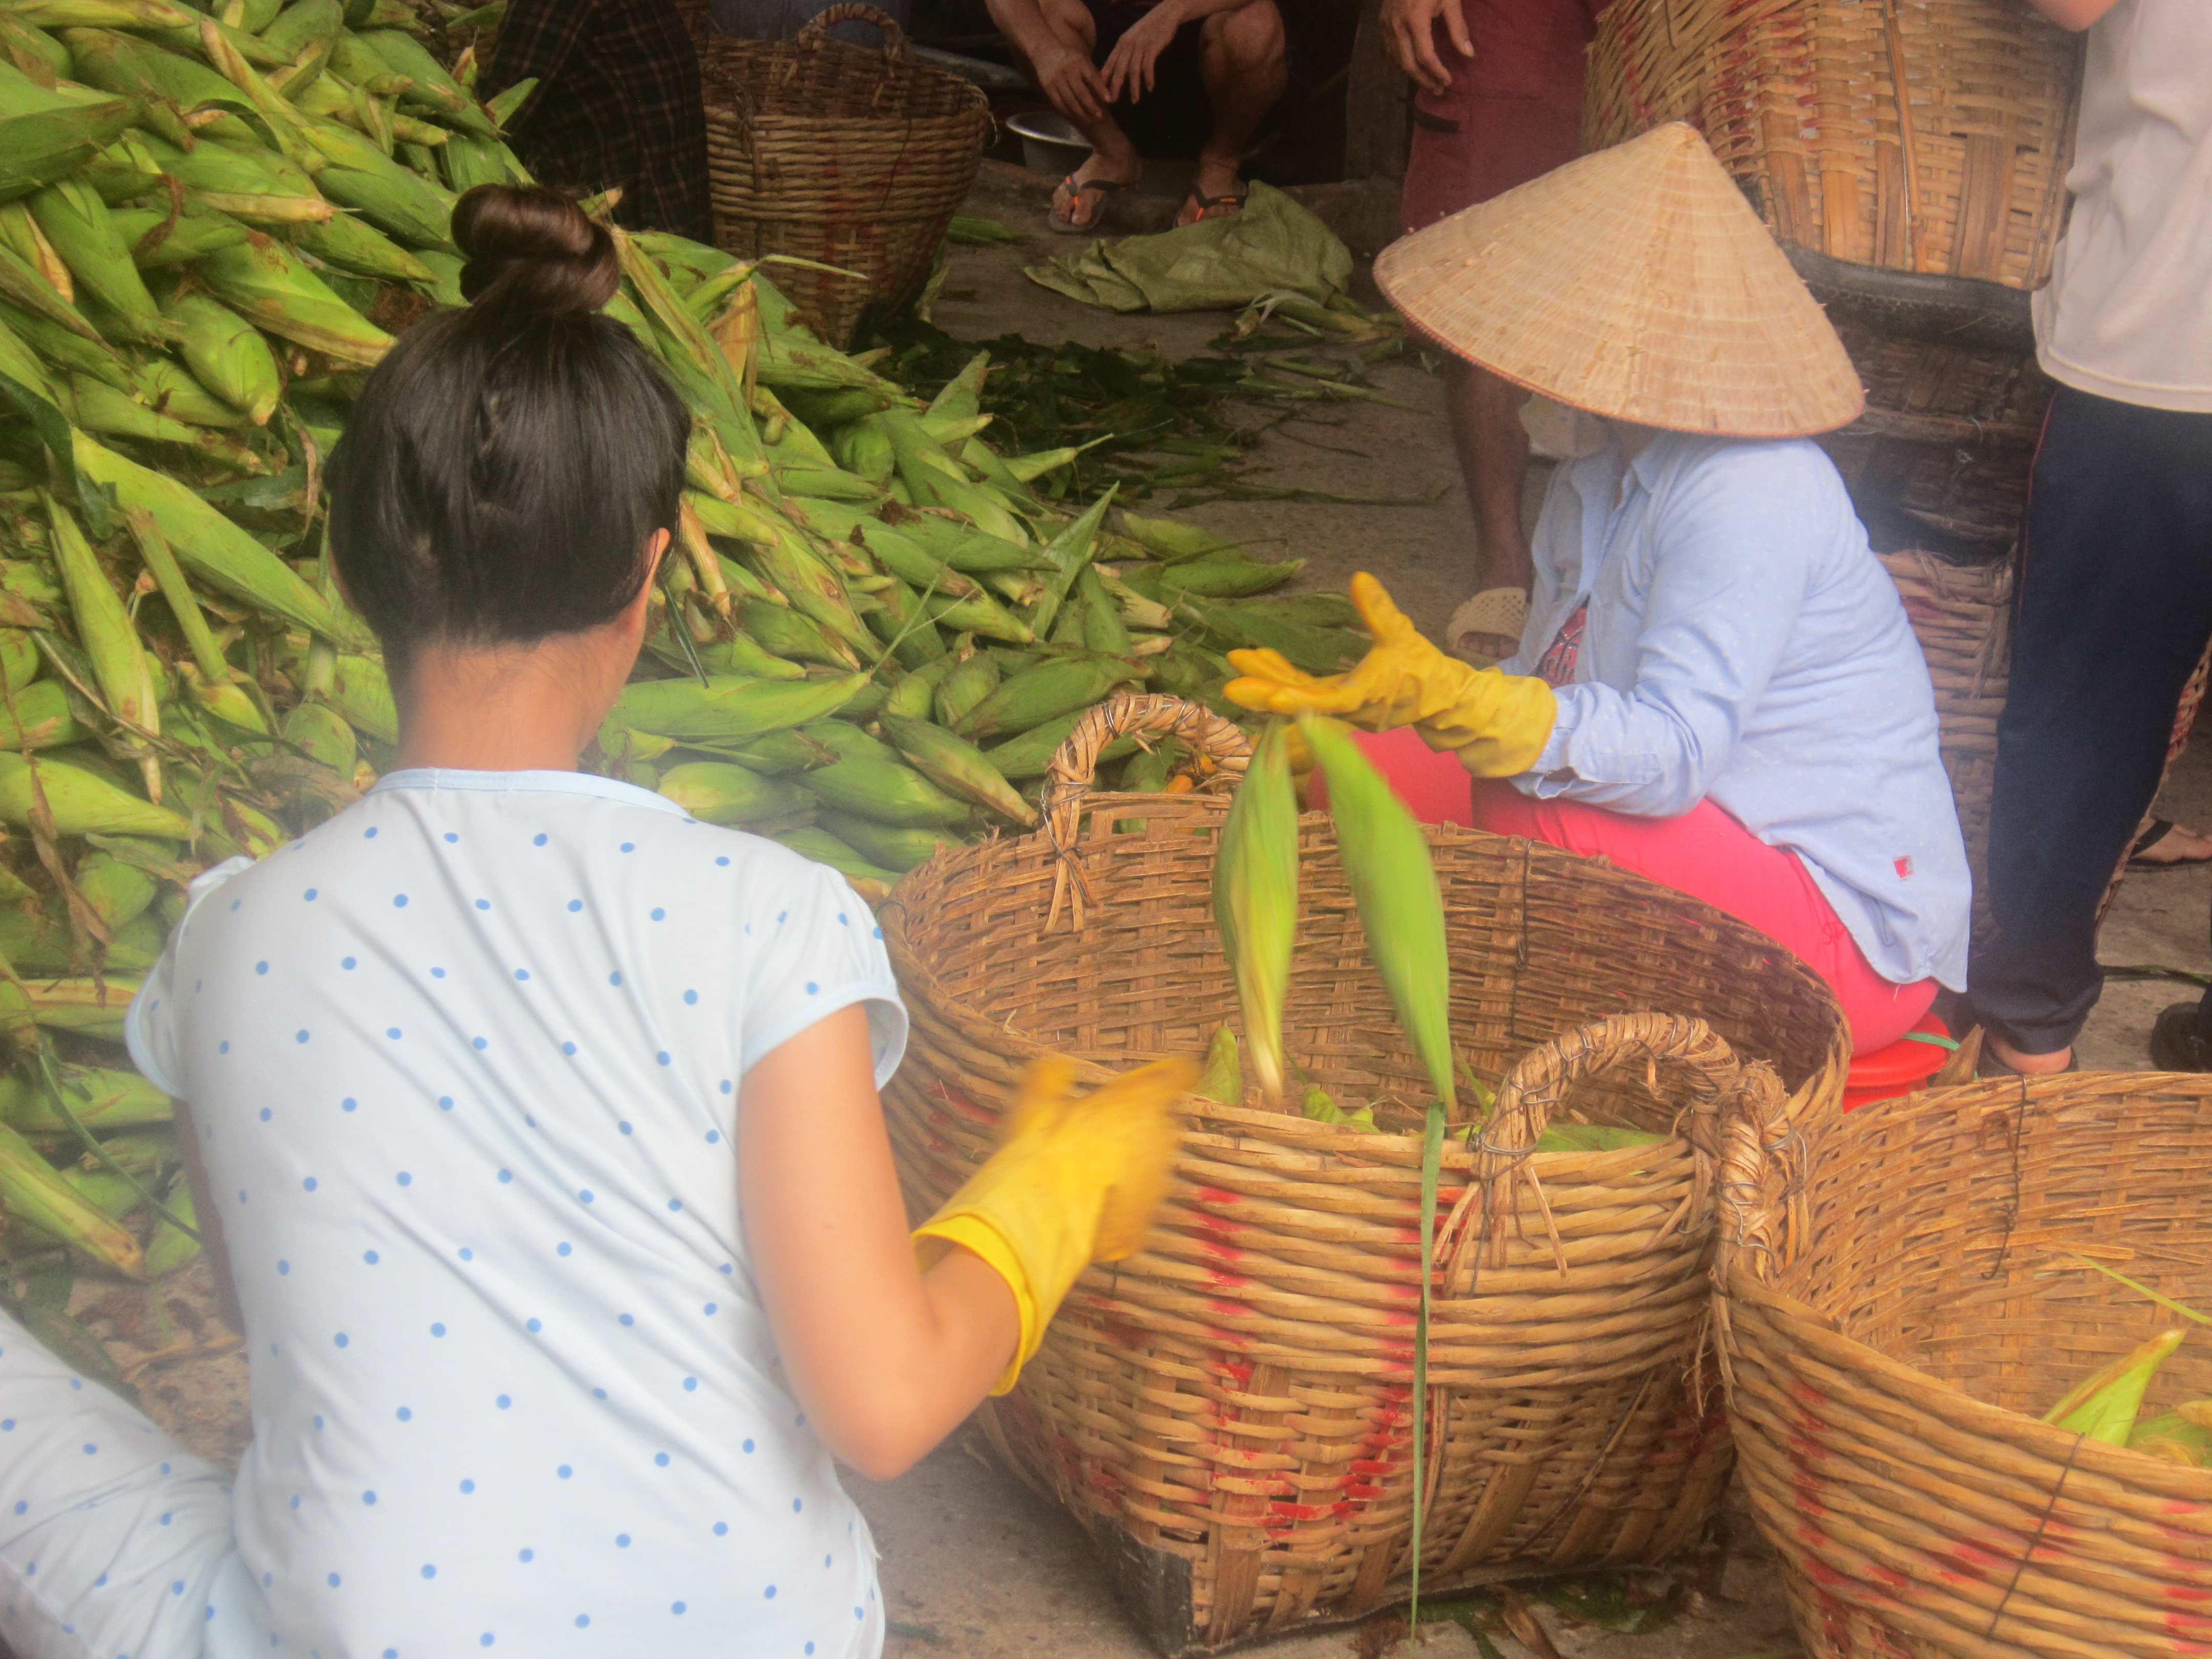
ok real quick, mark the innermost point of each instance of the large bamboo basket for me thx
(851, 158)
(1885, 1384)
(1229, 1412)
(1800, 101)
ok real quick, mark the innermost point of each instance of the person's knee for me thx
(1251, 36)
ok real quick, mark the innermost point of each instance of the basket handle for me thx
(1075, 769)
(815, 29)
(1719, 1087)
(1764, 1214)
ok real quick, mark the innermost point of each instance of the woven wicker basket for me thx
(1228, 1413)
(1799, 99)
(828, 152)
(1885, 1384)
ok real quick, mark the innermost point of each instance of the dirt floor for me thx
(974, 1566)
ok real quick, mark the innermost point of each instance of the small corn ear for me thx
(1256, 902)
(1394, 884)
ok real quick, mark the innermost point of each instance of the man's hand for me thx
(1130, 67)
(1407, 25)
(1068, 77)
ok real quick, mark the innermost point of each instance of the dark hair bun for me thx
(531, 250)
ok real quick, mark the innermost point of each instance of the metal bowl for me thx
(1050, 142)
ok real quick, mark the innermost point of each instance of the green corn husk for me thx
(49, 135)
(890, 847)
(360, 691)
(2104, 1407)
(1255, 902)
(227, 355)
(105, 630)
(118, 893)
(38, 717)
(260, 186)
(1594, 1138)
(265, 283)
(1029, 754)
(786, 634)
(728, 711)
(350, 245)
(96, 406)
(159, 240)
(101, 13)
(20, 663)
(99, 1098)
(914, 696)
(434, 90)
(956, 766)
(171, 389)
(81, 803)
(215, 549)
(303, 24)
(22, 365)
(818, 844)
(1036, 695)
(1223, 1079)
(884, 792)
(394, 199)
(24, 289)
(320, 732)
(35, 1194)
(92, 1007)
(963, 686)
(77, 222)
(1227, 576)
(721, 792)
(1319, 1106)
(171, 1247)
(1393, 884)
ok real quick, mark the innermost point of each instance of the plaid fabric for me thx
(617, 103)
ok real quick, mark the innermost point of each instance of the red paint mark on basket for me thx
(1229, 1282)
(1308, 1511)
(1222, 1252)
(1217, 1195)
(2183, 1592)
(1226, 1308)
(1367, 1492)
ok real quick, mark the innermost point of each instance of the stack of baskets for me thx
(1888, 1363)
(846, 157)
(1230, 1412)
(1913, 155)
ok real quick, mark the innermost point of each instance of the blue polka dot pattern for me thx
(404, 1005)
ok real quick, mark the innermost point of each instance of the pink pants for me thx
(1704, 853)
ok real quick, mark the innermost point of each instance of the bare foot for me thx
(2180, 844)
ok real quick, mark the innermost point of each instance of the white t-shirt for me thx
(463, 1063)
(2127, 313)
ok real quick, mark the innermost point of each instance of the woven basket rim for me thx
(1817, 1329)
(946, 862)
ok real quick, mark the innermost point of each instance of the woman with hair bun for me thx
(533, 1125)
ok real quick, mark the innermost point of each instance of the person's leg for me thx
(1242, 60)
(1709, 855)
(2116, 605)
(114, 1539)
(1494, 461)
(1091, 31)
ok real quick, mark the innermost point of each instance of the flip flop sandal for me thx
(1500, 611)
(1197, 209)
(2158, 832)
(1067, 204)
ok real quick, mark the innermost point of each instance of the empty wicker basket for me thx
(847, 157)
(1800, 101)
(1887, 1383)
(1229, 1412)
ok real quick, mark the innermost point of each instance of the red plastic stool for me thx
(1902, 1068)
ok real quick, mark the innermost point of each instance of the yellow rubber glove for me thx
(1074, 1181)
(1497, 723)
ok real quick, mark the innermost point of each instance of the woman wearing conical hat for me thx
(1717, 686)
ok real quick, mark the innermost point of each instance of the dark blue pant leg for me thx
(2116, 606)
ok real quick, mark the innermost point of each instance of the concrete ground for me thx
(974, 1565)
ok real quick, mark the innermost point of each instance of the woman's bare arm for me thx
(886, 1359)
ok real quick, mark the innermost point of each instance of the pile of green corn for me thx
(873, 636)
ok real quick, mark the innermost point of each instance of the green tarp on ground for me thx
(1273, 247)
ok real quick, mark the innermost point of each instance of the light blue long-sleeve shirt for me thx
(1744, 644)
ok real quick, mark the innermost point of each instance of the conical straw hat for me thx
(1638, 283)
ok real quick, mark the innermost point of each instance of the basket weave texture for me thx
(1229, 1411)
(1799, 99)
(833, 153)
(1943, 452)
(1885, 1385)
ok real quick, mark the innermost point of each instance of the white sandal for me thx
(1496, 611)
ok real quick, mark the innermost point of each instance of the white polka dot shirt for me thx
(463, 1063)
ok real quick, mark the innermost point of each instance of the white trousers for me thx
(115, 1543)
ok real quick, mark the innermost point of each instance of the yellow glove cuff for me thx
(974, 1234)
(1500, 727)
